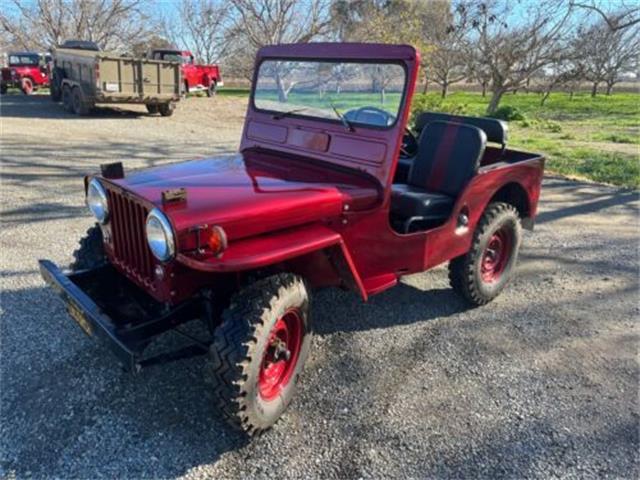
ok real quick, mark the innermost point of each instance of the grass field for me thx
(591, 138)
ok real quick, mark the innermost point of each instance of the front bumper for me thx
(114, 311)
(87, 314)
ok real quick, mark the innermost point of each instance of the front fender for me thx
(271, 249)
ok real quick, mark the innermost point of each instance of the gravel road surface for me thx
(543, 382)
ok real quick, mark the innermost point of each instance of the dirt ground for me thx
(542, 382)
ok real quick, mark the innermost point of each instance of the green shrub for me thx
(553, 127)
(509, 113)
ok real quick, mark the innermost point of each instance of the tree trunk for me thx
(544, 98)
(484, 89)
(382, 96)
(282, 92)
(445, 89)
(571, 94)
(426, 85)
(494, 103)
(594, 89)
(609, 88)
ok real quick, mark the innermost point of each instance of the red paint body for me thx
(306, 196)
(195, 76)
(13, 74)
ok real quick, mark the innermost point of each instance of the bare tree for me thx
(203, 27)
(270, 22)
(112, 24)
(448, 61)
(606, 53)
(623, 16)
(513, 52)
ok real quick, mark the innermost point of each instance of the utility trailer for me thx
(83, 76)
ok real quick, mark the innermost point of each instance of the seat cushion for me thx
(408, 201)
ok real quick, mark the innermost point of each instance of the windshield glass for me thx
(361, 93)
(24, 59)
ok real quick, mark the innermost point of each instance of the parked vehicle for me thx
(329, 188)
(83, 76)
(195, 77)
(27, 71)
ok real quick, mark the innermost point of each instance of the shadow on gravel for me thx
(70, 412)
(41, 106)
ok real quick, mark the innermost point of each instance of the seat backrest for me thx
(449, 155)
(496, 130)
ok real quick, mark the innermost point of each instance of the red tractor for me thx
(330, 188)
(27, 71)
(195, 77)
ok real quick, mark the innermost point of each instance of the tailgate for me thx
(123, 77)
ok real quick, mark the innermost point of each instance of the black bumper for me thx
(87, 314)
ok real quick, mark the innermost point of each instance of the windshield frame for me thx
(335, 121)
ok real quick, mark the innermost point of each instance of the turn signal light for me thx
(216, 240)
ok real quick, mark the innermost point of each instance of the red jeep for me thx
(27, 71)
(195, 77)
(329, 189)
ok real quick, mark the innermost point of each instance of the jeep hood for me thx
(252, 193)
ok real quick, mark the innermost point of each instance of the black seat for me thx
(448, 157)
(496, 130)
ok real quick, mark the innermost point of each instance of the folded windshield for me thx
(368, 94)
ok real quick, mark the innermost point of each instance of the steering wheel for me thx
(356, 114)
(409, 147)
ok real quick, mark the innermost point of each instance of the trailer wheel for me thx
(152, 108)
(211, 89)
(66, 97)
(90, 254)
(3, 89)
(78, 105)
(259, 351)
(483, 272)
(166, 109)
(26, 85)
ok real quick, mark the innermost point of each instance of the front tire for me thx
(152, 108)
(90, 254)
(166, 109)
(26, 85)
(259, 351)
(484, 271)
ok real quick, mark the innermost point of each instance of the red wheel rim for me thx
(496, 255)
(281, 355)
(27, 86)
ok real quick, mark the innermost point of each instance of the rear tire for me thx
(152, 108)
(259, 351)
(166, 109)
(90, 254)
(26, 85)
(211, 89)
(484, 271)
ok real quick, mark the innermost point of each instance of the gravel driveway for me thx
(542, 382)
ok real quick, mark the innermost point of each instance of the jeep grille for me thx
(130, 249)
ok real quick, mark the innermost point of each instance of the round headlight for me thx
(97, 201)
(160, 236)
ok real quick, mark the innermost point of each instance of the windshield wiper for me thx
(281, 115)
(344, 121)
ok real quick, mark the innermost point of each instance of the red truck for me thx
(195, 77)
(329, 189)
(27, 71)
